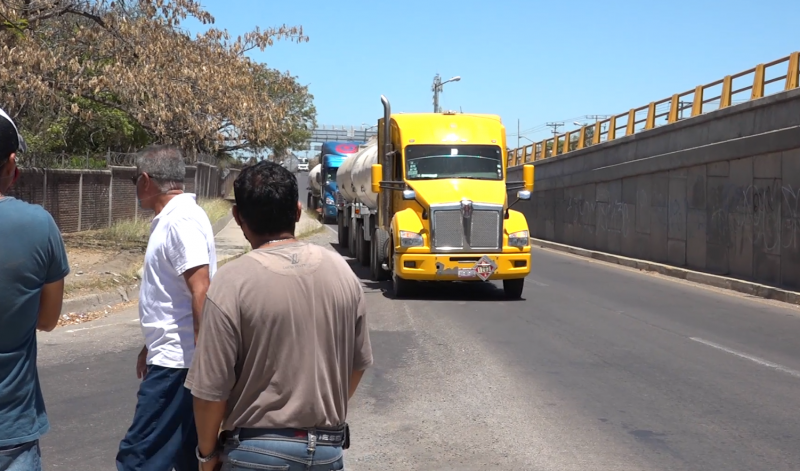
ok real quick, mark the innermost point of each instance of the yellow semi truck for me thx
(442, 211)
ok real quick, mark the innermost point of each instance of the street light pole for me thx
(367, 129)
(437, 88)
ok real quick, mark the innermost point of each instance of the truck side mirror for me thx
(377, 174)
(524, 195)
(527, 176)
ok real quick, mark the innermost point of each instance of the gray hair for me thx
(164, 164)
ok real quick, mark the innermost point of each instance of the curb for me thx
(220, 225)
(717, 281)
(94, 302)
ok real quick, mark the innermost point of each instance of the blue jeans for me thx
(163, 435)
(23, 457)
(281, 450)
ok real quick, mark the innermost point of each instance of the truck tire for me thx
(513, 288)
(380, 254)
(402, 288)
(341, 230)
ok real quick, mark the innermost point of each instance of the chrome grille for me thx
(449, 229)
(485, 227)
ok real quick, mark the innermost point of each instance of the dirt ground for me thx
(96, 266)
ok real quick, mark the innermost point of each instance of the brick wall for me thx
(82, 200)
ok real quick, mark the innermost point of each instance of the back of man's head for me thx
(164, 164)
(11, 141)
(266, 198)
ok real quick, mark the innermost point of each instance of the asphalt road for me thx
(597, 368)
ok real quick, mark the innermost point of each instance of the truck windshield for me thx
(330, 174)
(480, 162)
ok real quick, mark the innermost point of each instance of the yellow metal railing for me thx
(665, 111)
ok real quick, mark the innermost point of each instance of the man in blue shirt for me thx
(33, 265)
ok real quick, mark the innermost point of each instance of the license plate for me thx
(466, 273)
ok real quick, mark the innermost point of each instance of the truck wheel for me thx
(402, 288)
(380, 254)
(513, 288)
(341, 230)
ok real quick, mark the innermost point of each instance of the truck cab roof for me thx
(441, 128)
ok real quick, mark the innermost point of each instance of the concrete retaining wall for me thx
(718, 193)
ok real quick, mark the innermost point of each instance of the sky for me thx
(530, 61)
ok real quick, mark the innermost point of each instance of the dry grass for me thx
(134, 233)
(216, 209)
(126, 231)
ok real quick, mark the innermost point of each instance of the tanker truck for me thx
(356, 203)
(331, 157)
(314, 188)
(437, 203)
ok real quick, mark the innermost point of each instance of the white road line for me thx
(100, 326)
(539, 283)
(332, 229)
(761, 362)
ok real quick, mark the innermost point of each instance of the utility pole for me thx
(437, 89)
(555, 127)
(683, 105)
(517, 133)
(597, 117)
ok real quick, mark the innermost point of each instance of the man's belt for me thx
(335, 436)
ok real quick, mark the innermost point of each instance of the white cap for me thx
(22, 147)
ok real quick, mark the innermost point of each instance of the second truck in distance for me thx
(322, 178)
(427, 201)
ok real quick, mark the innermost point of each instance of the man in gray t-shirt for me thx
(283, 340)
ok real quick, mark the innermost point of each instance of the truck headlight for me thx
(329, 200)
(518, 239)
(410, 239)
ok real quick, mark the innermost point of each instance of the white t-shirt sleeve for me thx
(186, 246)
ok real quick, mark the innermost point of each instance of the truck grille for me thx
(483, 230)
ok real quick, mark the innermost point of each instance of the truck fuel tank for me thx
(312, 179)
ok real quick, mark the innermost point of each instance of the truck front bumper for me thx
(462, 266)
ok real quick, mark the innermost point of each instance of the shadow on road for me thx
(430, 291)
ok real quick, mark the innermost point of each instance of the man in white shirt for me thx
(179, 263)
